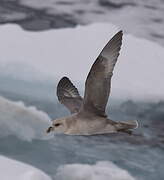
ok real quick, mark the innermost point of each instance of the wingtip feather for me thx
(66, 88)
(112, 48)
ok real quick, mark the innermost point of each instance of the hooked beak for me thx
(49, 129)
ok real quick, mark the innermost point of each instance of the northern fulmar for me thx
(88, 115)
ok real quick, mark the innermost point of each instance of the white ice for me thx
(26, 123)
(99, 171)
(71, 52)
(14, 170)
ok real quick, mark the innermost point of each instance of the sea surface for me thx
(142, 153)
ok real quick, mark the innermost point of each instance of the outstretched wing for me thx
(98, 83)
(68, 95)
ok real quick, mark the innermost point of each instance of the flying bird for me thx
(88, 115)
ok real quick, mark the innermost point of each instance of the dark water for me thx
(143, 18)
(141, 154)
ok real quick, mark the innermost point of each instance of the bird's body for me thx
(87, 125)
(90, 125)
(88, 113)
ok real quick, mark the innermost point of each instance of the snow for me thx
(14, 170)
(99, 171)
(26, 123)
(71, 52)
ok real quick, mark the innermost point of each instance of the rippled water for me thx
(140, 17)
(141, 154)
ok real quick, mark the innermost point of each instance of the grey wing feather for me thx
(98, 83)
(68, 95)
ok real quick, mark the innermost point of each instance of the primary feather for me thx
(68, 95)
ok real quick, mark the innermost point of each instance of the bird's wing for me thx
(98, 82)
(68, 95)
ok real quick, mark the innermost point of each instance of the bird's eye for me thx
(57, 124)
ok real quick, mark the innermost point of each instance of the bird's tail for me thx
(125, 125)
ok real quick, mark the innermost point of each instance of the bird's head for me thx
(58, 126)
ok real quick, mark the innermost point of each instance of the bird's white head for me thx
(58, 126)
